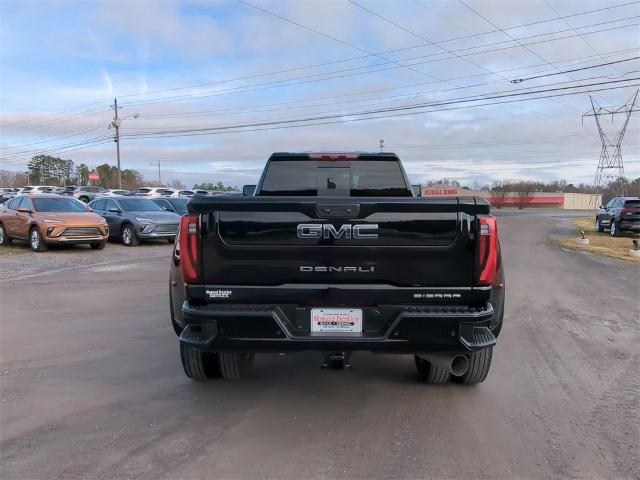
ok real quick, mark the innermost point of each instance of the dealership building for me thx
(568, 201)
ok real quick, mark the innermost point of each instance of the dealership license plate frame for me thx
(328, 320)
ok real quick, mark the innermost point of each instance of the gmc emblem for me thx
(327, 230)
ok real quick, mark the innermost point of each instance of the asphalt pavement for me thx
(92, 386)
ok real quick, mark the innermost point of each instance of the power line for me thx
(335, 39)
(500, 143)
(76, 116)
(54, 114)
(397, 113)
(19, 157)
(234, 110)
(356, 93)
(274, 84)
(422, 37)
(289, 70)
(57, 137)
(462, 2)
(539, 22)
(467, 98)
(520, 80)
(584, 40)
(90, 112)
(415, 107)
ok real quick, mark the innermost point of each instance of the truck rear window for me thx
(330, 178)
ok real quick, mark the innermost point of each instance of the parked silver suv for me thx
(88, 193)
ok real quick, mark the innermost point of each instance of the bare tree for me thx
(525, 192)
(177, 185)
(7, 178)
(498, 195)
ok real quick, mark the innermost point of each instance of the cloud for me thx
(108, 83)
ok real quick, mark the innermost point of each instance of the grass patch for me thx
(601, 243)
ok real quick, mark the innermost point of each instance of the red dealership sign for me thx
(440, 191)
(94, 177)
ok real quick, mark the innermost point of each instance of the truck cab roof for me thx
(334, 174)
(334, 155)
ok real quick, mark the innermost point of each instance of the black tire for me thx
(598, 227)
(84, 199)
(198, 365)
(36, 242)
(4, 240)
(479, 365)
(128, 235)
(97, 245)
(233, 365)
(430, 373)
(615, 231)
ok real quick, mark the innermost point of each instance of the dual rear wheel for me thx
(200, 366)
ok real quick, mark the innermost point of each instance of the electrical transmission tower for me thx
(610, 166)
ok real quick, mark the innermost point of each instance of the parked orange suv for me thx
(51, 219)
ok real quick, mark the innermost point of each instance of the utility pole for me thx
(159, 176)
(116, 124)
(381, 144)
(610, 165)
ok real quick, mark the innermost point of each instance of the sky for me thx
(211, 89)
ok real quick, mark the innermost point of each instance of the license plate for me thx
(336, 320)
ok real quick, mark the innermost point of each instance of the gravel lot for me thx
(92, 387)
(17, 261)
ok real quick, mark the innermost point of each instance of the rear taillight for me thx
(625, 210)
(487, 251)
(187, 248)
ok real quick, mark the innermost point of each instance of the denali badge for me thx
(338, 269)
(327, 230)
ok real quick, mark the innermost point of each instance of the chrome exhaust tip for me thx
(457, 365)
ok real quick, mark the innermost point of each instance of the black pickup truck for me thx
(334, 253)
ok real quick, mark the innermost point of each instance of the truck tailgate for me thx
(414, 242)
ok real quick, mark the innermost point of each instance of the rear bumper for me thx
(630, 225)
(389, 328)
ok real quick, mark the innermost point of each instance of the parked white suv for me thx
(37, 189)
(184, 193)
(153, 192)
(114, 192)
